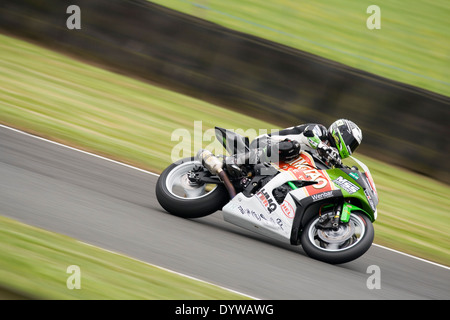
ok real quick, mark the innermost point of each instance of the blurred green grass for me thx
(49, 94)
(34, 262)
(412, 45)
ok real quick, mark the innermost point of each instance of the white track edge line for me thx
(78, 150)
(157, 175)
(411, 256)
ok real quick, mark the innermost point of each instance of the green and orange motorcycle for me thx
(327, 209)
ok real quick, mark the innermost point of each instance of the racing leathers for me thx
(287, 144)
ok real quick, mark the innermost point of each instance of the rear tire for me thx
(201, 204)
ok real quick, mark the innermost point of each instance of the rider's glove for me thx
(334, 157)
(330, 154)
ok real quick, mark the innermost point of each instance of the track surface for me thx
(114, 207)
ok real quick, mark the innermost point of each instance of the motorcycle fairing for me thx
(303, 168)
(261, 213)
(307, 208)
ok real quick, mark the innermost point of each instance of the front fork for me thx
(340, 214)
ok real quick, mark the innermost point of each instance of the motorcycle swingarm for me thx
(203, 177)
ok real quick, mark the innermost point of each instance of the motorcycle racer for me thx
(337, 142)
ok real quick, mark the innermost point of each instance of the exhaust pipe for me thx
(210, 161)
(215, 166)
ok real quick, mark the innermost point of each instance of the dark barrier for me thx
(401, 124)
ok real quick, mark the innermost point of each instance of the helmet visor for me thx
(350, 141)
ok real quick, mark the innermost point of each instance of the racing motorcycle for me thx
(327, 208)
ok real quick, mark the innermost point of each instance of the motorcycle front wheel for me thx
(345, 243)
(178, 196)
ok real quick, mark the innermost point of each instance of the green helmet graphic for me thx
(345, 136)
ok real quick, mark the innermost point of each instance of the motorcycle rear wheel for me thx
(179, 197)
(346, 243)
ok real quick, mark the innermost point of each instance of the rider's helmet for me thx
(345, 136)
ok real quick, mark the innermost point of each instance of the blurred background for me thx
(289, 62)
(137, 70)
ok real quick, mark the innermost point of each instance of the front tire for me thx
(178, 197)
(347, 243)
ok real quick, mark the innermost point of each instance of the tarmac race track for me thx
(113, 206)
